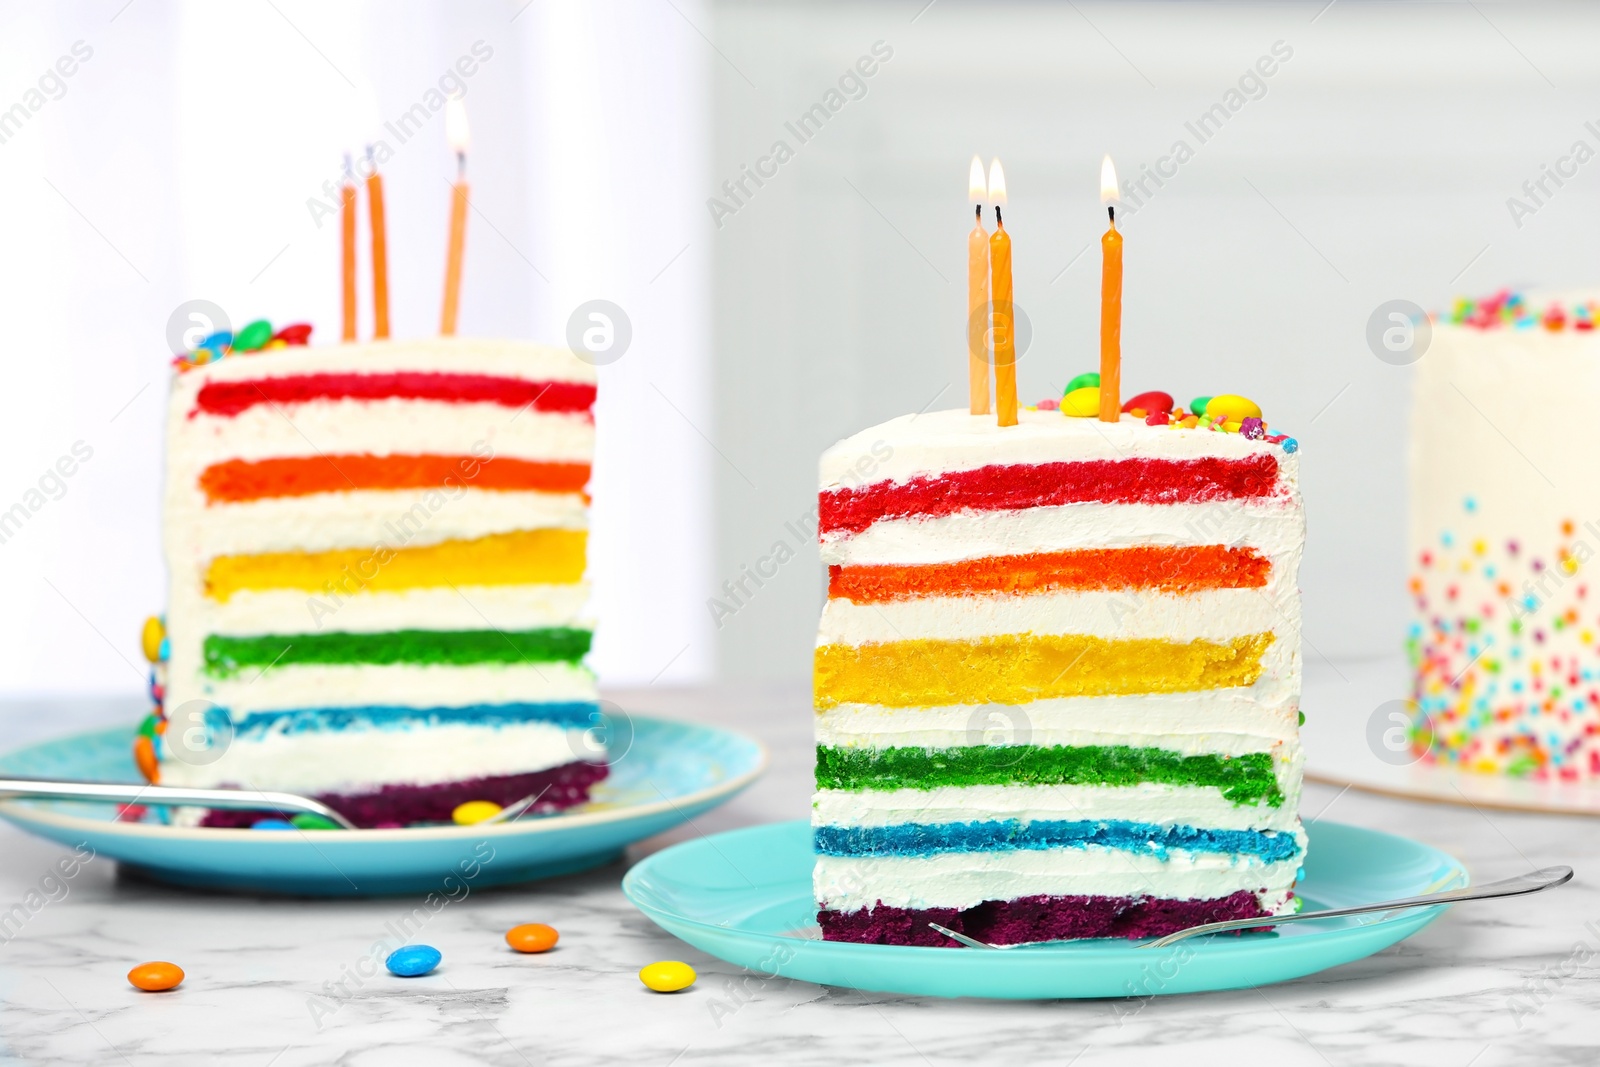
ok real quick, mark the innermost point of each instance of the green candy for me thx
(1197, 406)
(308, 821)
(253, 336)
(147, 728)
(1083, 381)
(1302, 718)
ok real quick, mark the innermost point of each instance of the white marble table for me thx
(1489, 984)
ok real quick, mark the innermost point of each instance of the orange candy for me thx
(154, 977)
(144, 754)
(532, 937)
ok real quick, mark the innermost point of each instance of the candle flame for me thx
(976, 188)
(456, 133)
(997, 184)
(1108, 182)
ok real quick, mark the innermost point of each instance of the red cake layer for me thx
(1168, 568)
(1016, 486)
(559, 788)
(1011, 922)
(230, 398)
(238, 480)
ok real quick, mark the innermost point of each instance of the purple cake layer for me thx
(1009, 922)
(560, 788)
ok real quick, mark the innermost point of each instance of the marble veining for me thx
(279, 982)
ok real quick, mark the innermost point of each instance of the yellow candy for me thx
(1231, 408)
(474, 811)
(668, 976)
(150, 640)
(1082, 403)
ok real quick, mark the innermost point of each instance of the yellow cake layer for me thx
(523, 557)
(1018, 668)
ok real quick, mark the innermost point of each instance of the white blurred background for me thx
(177, 161)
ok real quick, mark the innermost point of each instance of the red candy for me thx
(298, 333)
(1155, 418)
(1151, 402)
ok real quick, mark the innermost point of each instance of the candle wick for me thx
(979, 208)
(1111, 210)
(461, 166)
(998, 219)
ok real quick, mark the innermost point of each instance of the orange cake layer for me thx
(1158, 567)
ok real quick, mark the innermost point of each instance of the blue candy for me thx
(413, 961)
(217, 342)
(272, 824)
(1290, 445)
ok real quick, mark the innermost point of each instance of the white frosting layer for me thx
(1275, 529)
(1147, 802)
(433, 355)
(1219, 720)
(360, 760)
(939, 441)
(469, 607)
(406, 518)
(287, 688)
(967, 879)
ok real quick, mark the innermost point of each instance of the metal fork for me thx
(1532, 882)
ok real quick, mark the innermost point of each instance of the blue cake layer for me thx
(577, 714)
(924, 839)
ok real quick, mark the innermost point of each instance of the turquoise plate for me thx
(745, 897)
(672, 772)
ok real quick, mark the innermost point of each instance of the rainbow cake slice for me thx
(376, 557)
(1057, 680)
(1505, 517)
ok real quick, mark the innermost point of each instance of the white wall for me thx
(177, 165)
(1376, 166)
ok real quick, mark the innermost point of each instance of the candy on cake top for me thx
(258, 336)
(1513, 310)
(1222, 413)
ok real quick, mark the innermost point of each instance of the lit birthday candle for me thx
(1005, 341)
(1110, 301)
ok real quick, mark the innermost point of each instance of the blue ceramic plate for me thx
(673, 772)
(745, 897)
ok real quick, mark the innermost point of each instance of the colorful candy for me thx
(298, 333)
(413, 961)
(1083, 381)
(144, 756)
(1252, 428)
(1198, 404)
(669, 976)
(273, 824)
(253, 336)
(474, 811)
(1049, 403)
(150, 638)
(1229, 407)
(532, 937)
(1082, 403)
(1150, 403)
(156, 976)
(307, 820)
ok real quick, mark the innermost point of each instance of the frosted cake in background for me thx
(1505, 517)
(1057, 677)
(376, 556)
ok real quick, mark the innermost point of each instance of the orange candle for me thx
(455, 126)
(1110, 301)
(347, 221)
(380, 251)
(977, 297)
(1005, 341)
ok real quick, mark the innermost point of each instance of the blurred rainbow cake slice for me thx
(377, 557)
(1057, 679)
